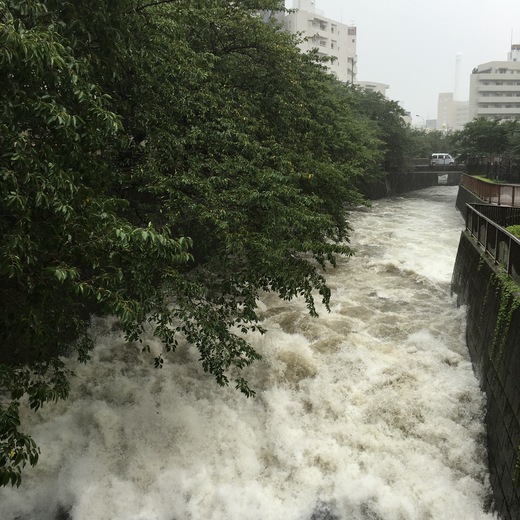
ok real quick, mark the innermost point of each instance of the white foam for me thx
(371, 411)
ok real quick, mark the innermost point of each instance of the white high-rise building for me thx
(495, 88)
(330, 37)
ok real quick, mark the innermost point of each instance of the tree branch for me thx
(153, 4)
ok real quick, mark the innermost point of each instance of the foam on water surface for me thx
(370, 411)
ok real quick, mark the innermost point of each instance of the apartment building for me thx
(333, 39)
(373, 86)
(495, 88)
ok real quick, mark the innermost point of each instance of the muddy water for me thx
(370, 411)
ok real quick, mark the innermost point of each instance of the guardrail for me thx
(501, 245)
(500, 194)
(422, 164)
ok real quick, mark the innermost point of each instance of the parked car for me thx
(441, 159)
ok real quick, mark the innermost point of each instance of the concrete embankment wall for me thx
(493, 338)
(464, 196)
(396, 183)
(402, 182)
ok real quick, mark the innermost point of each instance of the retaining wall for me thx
(495, 352)
(395, 183)
(403, 182)
(464, 196)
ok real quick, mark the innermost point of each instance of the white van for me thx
(441, 159)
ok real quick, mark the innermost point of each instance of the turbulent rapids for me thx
(371, 411)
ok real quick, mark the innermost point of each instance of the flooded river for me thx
(369, 412)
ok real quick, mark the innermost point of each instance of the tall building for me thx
(452, 109)
(494, 91)
(332, 38)
(452, 114)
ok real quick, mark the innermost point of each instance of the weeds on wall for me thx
(508, 292)
(481, 263)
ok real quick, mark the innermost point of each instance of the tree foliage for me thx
(393, 132)
(67, 249)
(487, 137)
(127, 127)
(424, 143)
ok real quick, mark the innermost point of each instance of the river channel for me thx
(369, 412)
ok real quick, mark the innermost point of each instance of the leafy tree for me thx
(66, 248)
(247, 150)
(424, 143)
(481, 141)
(215, 128)
(513, 137)
(482, 137)
(393, 132)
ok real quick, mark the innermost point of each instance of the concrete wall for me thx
(477, 286)
(464, 196)
(403, 182)
(397, 183)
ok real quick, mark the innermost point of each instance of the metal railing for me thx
(500, 194)
(501, 245)
(503, 167)
(424, 163)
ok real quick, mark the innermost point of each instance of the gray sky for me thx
(412, 45)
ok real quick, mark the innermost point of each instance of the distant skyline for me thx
(413, 46)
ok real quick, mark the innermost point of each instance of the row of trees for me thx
(478, 138)
(164, 162)
(482, 137)
(486, 147)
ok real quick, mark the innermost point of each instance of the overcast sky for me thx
(412, 45)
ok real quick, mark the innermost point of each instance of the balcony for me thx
(491, 110)
(499, 88)
(321, 25)
(499, 77)
(501, 100)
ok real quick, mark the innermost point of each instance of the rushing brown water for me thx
(371, 411)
